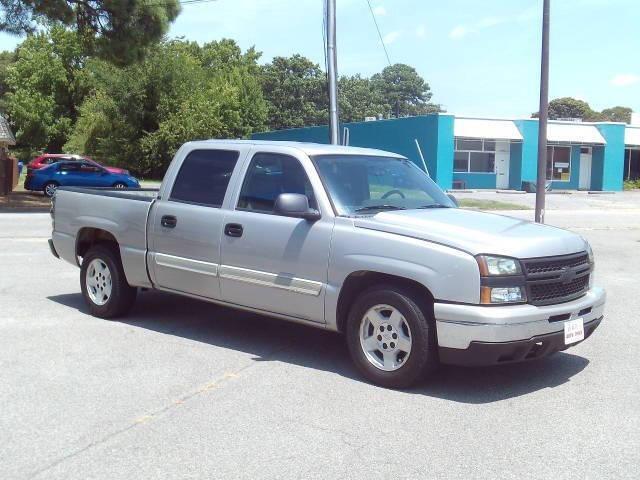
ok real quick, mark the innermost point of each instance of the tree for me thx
(118, 30)
(404, 90)
(295, 90)
(568, 107)
(139, 115)
(616, 114)
(6, 60)
(46, 84)
(358, 99)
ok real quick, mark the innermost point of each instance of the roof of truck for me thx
(312, 148)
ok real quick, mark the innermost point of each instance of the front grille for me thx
(557, 279)
(554, 264)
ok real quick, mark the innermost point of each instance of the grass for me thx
(477, 204)
(632, 184)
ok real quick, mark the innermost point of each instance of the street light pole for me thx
(332, 71)
(543, 115)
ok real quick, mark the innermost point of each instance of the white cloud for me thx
(380, 11)
(421, 31)
(458, 32)
(461, 31)
(489, 22)
(391, 37)
(624, 79)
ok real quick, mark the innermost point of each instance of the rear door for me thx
(271, 262)
(185, 225)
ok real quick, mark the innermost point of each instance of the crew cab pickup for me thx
(352, 240)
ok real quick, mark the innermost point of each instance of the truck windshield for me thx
(359, 184)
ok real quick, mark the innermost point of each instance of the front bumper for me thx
(467, 332)
(52, 247)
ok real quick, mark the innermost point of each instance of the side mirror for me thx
(295, 205)
(453, 199)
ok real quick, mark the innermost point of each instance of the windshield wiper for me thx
(379, 207)
(435, 205)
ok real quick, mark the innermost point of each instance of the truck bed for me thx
(122, 213)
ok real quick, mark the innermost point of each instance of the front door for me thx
(502, 165)
(271, 262)
(185, 227)
(584, 181)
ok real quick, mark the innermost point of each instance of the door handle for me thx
(168, 221)
(233, 230)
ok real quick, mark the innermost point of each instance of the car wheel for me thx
(120, 185)
(50, 188)
(104, 285)
(391, 336)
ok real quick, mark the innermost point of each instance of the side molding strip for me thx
(181, 263)
(284, 282)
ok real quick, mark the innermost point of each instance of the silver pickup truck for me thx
(347, 239)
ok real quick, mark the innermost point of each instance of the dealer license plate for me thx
(573, 331)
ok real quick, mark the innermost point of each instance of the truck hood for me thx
(477, 232)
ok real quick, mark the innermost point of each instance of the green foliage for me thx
(117, 30)
(632, 184)
(296, 94)
(46, 83)
(404, 90)
(6, 60)
(616, 114)
(568, 107)
(139, 116)
(357, 99)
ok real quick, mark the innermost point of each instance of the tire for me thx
(415, 323)
(120, 185)
(106, 292)
(49, 189)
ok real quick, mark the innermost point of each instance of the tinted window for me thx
(269, 175)
(70, 167)
(90, 168)
(204, 176)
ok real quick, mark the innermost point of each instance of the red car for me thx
(49, 158)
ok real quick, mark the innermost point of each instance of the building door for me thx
(502, 165)
(584, 182)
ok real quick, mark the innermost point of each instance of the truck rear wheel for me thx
(391, 336)
(104, 285)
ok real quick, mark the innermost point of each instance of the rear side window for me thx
(70, 167)
(269, 175)
(204, 176)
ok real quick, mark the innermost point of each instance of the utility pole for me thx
(332, 71)
(543, 115)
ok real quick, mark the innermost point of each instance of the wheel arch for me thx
(361, 280)
(87, 237)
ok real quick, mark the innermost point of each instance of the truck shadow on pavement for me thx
(272, 340)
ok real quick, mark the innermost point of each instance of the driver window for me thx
(269, 175)
(88, 168)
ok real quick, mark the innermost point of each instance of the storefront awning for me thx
(632, 136)
(577, 133)
(486, 128)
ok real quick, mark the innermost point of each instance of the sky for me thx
(481, 58)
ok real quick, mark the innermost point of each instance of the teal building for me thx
(487, 153)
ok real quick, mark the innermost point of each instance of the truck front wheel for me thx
(391, 336)
(104, 285)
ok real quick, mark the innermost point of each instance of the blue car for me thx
(76, 174)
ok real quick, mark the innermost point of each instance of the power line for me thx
(375, 21)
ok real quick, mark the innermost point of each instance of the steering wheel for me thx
(393, 192)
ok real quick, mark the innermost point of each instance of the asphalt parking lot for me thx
(184, 389)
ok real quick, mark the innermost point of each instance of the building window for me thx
(559, 163)
(475, 156)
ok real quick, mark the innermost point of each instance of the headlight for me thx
(497, 295)
(501, 280)
(492, 266)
